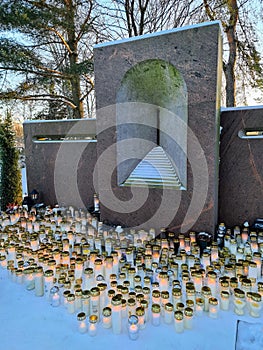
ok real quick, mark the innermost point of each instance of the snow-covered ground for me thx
(29, 322)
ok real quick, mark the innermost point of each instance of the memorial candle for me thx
(92, 328)
(82, 326)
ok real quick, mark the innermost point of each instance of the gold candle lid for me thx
(156, 293)
(213, 301)
(206, 290)
(179, 306)
(246, 282)
(188, 311)
(176, 292)
(225, 294)
(199, 301)
(189, 303)
(256, 297)
(81, 316)
(95, 291)
(131, 302)
(144, 303)
(178, 315)
(70, 297)
(169, 307)
(88, 271)
(165, 294)
(106, 311)
(116, 300)
(139, 311)
(93, 318)
(156, 308)
(239, 293)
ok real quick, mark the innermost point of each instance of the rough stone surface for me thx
(196, 54)
(241, 167)
(61, 172)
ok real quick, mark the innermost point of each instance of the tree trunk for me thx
(229, 67)
(73, 60)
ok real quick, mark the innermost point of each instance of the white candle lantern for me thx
(213, 307)
(140, 313)
(95, 302)
(206, 293)
(199, 306)
(239, 302)
(39, 282)
(116, 315)
(92, 329)
(82, 325)
(179, 321)
(212, 282)
(88, 278)
(156, 315)
(255, 305)
(188, 318)
(133, 328)
(54, 297)
(106, 317)
(224, 300)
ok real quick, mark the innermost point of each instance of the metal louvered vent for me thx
(154, 170)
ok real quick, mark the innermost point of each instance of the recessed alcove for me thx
(152, 106)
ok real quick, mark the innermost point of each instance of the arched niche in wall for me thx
(152, 118)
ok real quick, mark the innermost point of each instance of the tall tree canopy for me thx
(242, 64)
(46, 45)
(10, 184)
(50, 50)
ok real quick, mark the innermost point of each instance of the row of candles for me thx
(107, 276)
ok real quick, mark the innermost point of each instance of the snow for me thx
(164, 32)
(29, 322)
(226, 109)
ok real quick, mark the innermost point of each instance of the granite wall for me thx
(62, 172)
(196, 53)
(241, 166)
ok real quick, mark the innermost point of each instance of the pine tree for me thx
(10, 187)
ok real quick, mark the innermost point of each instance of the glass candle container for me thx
(95, 302)
(106, 317)
(65, 296)
(163, 281)
(213, 307)
(246, 285)
(179, 321)
(252, 270)
(212, 282)
(168, 313)
(145, 305)
(198, 282)
(123, 308)
(199, 306)
(133, 328)
(255, 305)
(131, 306)
(140, 313)
(85, 302)
(48, 281)
(131, 274)
(29, 278)
(224, 300)
(190, 292)
(188, 318)
(164, 300)
(156, 296)
(116, 314)
(156, 314)
(54, 297)
(39, 282)
(176, 295)
(206, 293)
(92, 329)
(78, 299)
(82, 325)
(239, 301)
